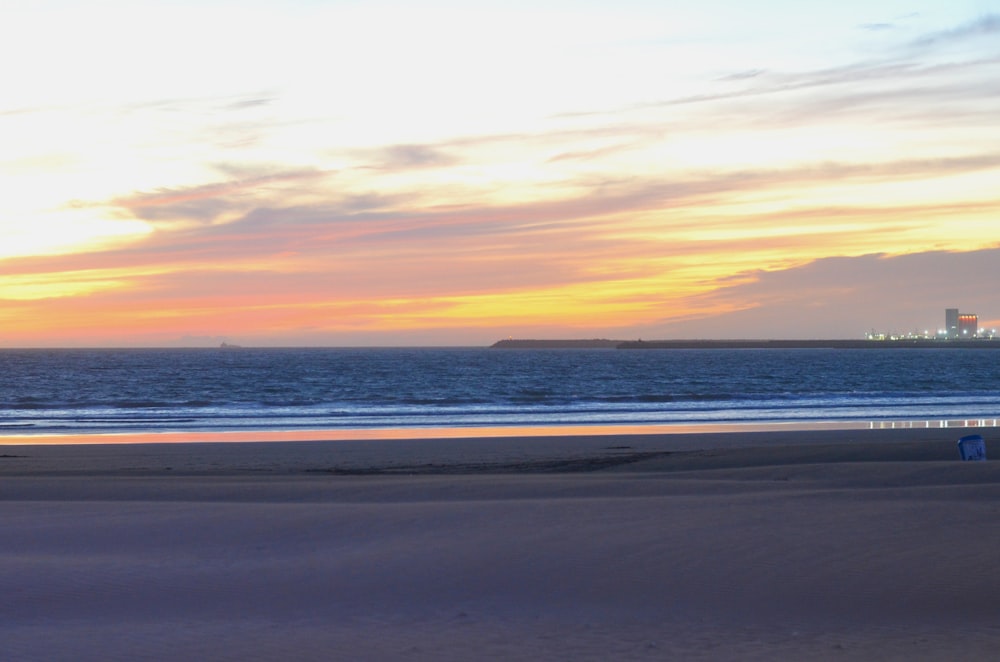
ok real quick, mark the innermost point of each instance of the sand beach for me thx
(821, 544)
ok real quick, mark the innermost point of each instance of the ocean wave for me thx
(261, 389)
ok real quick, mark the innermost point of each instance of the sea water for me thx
(84, 391)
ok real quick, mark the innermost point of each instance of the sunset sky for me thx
(386, 173)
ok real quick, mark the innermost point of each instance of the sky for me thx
(452, 173)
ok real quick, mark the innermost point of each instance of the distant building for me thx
(957, 326)
(960, 325)
(951, 322)
(968, 325)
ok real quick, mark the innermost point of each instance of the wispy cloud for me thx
(778, 83)
(898, 72)
(877, 27)
(746, 74)
(984, 26)
(207, 202)
(396, 157)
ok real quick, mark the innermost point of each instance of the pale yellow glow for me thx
(65, 231)
(70, 283)
(27, 288)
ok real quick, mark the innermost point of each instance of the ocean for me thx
(90, 391)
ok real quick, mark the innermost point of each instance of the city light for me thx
(958, 326)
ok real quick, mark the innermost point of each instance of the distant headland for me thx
(592, 343)
(961, 330)
(602, 343)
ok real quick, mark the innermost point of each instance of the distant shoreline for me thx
(591, 343)
(600, 343)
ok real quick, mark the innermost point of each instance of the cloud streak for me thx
(205, 203)
(983, 26)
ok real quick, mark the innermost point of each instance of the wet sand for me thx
(790, 545)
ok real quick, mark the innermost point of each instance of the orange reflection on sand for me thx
(250, 436)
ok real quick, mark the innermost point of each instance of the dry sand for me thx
(816, 545)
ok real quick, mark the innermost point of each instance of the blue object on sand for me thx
(972, 447)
